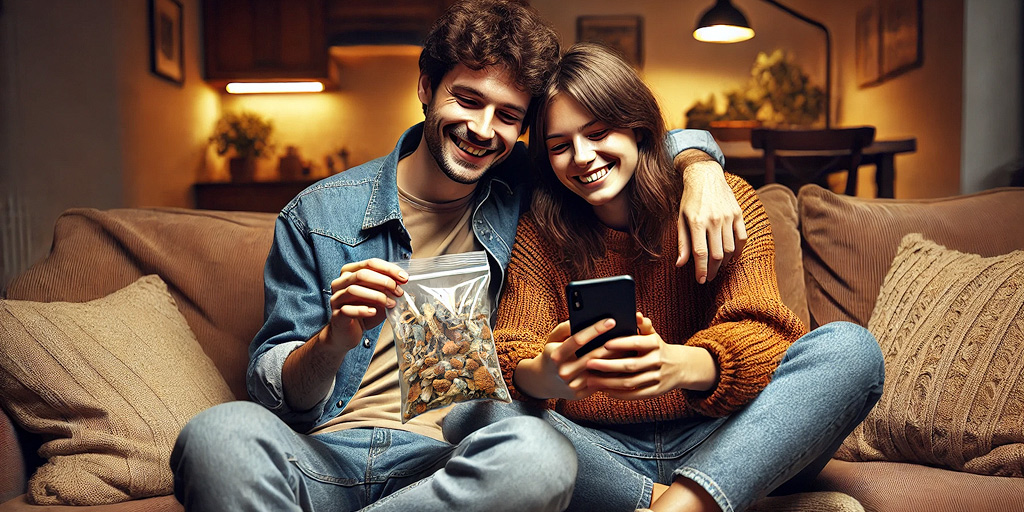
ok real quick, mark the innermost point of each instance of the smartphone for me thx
(592, 300)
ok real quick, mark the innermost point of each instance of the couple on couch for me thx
(718, 400)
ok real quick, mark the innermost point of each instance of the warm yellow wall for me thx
(924, 103)
(162, 125)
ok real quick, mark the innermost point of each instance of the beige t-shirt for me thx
(435, 229)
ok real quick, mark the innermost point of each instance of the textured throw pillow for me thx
(951, 328)
(108, 383)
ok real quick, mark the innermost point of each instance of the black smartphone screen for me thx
(592, 300)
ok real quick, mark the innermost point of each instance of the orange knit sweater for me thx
(738, 317)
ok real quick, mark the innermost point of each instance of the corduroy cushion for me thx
(109, 383)
(780, 205)
(951, 328)
(212, 262)
(849, 242)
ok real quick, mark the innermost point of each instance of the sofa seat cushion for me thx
(905, 487)
(211, 261)
(108, 383)
(951, 329)
(155, 504)
(849, 242)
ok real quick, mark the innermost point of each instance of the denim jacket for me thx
(320, 230)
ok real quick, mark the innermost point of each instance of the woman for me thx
(720, 397)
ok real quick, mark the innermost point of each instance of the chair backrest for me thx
(837, 149)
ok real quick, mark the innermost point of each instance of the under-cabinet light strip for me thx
(273, 87)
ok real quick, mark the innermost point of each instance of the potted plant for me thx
(246, 135)
(778, 94)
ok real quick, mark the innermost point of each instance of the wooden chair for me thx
(809, 156)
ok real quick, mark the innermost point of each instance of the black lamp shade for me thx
(723, 13)
(723, 23)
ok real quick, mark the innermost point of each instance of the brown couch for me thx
(833, 253)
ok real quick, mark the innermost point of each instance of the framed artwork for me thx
(901, 36)
(166, 46)
(623, 33)
(868, 47)
(888, 40)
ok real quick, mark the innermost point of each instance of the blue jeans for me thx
(239, 456)
(824, 386)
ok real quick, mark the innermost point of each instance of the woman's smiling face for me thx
(592, 159)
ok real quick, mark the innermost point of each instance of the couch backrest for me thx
(781, 206)
(211, 261)
(849, 242)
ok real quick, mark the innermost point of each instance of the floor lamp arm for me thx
(828, 56)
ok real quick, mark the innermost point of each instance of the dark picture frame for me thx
(901, 36)
(868, 45)
(623, 33)
(888, 40)
(166, 42)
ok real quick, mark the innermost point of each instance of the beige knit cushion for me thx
(109, 383)
(951, 328)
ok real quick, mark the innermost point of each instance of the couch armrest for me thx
(12, 470)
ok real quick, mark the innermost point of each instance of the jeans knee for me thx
(852, 349)
(543, 457)
(220, 433)
(467, 417)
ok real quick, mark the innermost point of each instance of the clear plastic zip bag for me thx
(444, 342)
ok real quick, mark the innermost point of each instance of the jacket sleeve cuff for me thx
(266, 388)
(679, 140)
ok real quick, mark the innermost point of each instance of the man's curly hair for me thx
(482, 33)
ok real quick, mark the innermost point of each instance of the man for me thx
(325, 362)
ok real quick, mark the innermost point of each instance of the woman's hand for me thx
(645, 366)
(556, 372)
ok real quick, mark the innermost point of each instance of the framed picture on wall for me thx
(166, 44)
(621, 32)
(901, 36)
(868, 47)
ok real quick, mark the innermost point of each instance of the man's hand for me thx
(360, 298)
(710, 221)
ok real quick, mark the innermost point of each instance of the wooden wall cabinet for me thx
(265, 39)
(355, 22)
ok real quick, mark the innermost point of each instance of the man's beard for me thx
(454, 167)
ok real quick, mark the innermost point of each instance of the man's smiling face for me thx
(473, 119)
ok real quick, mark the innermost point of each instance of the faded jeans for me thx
(824, 386)
(239, 456)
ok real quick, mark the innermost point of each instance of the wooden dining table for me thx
(742, 159)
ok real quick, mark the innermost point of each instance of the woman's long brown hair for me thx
(606, 86)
